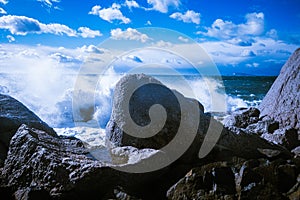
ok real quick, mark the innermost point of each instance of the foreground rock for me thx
(12, 115)
(282, 102)
(40, 164)
(252, 179)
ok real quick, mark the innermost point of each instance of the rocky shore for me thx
(255, 153)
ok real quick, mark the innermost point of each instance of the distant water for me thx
(251, 89)
(51, 97)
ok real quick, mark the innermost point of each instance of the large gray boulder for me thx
(12, 115)
(134, 96)
(180, 110)
(282, 101)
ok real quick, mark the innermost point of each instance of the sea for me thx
(52, 98)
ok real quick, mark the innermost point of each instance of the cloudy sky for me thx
(250, 36)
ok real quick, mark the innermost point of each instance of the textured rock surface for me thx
(12, 115)
(253, 179)
(149, 92)
(38, 163)
(211, 181)
(243, 145)
(282, 101)
(242, 118)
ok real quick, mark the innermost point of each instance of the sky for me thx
(253, 37)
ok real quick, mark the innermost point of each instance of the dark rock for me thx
(224, 180)
(12, 115)
(39, 164)
(282, 102)
(296, 151)
(210, 181)
(287, 177)
(31, 194)
(242, 118)
(294, 193)
(6, 193)
(287, 137)
(265, 179)
(62, 168)
(148, 93)
(247, 178)
(264, 192)
(120, 194)
(228, 142)
(261, 127)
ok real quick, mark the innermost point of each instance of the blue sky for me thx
(250, 36)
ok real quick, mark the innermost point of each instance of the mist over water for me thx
(50, 95)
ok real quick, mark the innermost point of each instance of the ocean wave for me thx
(54, 102)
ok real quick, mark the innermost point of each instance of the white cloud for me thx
(3, 1)
(110, 14)
(58, 29)
(247, 53)
(10, 38)
(163, 5)
(62, 58)
(19, 25)
(2, 11)
(183, 39)
(22, 25)
(133, 58)
(252, 65)
(272, 34)
(162, 43)
(92, 49)
(131, 4)
(128, 34)
(49, 3)
(262, 49)
(86, 32)
(253, 26)
(189, 16)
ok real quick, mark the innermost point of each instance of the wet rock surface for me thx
(12, 115)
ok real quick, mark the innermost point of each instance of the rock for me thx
(41, 164)
(263, 179)
(261, 127)
(12, 115)
(296, 151)
(209, 130)
(294, 193)
(287, 137)
(242, 118)
(247, 178)
(287, 177)
(119, 194)
(62, 168)
(254, 179)
(32, 194)
(148, 93)
(210, 181)
(282, 102)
